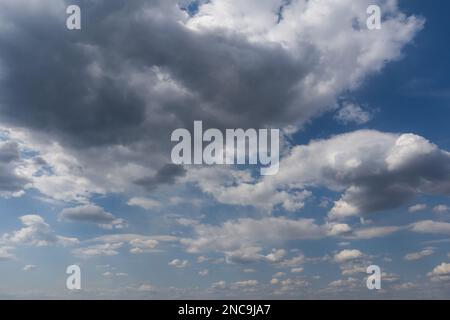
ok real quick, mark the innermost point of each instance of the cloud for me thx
(36, 232)
(145, 203)
(29, 267)
(107, 249)
(136, 95)
(417, 207)
(91, 214)
(440, 273)
(12, 182)
(203, 272)
(419, 255)
(246, 235)
(5, 254)
(374, 171)
(346, 255)
(109, 245)
(374, 232)
(430, 226)
(441, 209)
(179, 264)
(352, 113)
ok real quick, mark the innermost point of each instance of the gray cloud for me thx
(111, 93)
(11, 183)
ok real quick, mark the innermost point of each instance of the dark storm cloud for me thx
(50, 83)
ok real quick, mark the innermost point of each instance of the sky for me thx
(86, 176)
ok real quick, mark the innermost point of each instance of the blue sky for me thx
(85, 172)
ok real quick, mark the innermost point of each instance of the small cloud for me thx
(441, 208)
(418, 207)
(29, 267)
(346, 255)
(180, 264)
(297, 270)
(353, 113)
(419, 255)
(203, 273)
(145, 203)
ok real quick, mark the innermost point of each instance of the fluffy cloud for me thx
(36, 232)
(375, 171)
(92, 214)
(440, 273)
(346, 255)
(246, 235)
(135, 95)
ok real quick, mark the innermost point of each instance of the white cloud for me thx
(374, 232)
(373, 171)
(203, 272)
(346, 255)
(180, 264)
(36, 232)
(29, 267)
(419, 255)
(440, 273)
(246, 234)
(5, 254)
(297, 270)
(441, 208)
(432, 227)
(145, 203)
(353, 113)
(246, 283)
(109, 245)
(417, 207)
(106, 249)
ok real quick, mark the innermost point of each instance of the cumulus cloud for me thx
(244, 237)
(36, 232)
(440, 273)
(135, 95)
(346, 255)
(91, 214)
(373, 170)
